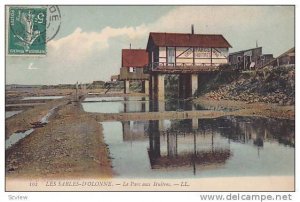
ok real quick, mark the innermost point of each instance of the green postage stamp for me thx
(27, 31)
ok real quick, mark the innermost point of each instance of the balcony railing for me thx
(183, 67)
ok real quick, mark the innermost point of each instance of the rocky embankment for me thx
(268, 85)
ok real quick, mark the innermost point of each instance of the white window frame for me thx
(168, 55)
(132, 69)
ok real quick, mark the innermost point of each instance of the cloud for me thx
(80, 44)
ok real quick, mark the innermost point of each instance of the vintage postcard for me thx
(150, 98)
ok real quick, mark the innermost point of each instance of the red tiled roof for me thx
(188, 40)
(134, 58)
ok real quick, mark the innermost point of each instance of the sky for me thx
(88, 45)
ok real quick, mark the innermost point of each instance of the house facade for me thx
(287, 58)
(249, 59)
(181, 52)
(133, 63)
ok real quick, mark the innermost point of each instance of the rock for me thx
(11, 169)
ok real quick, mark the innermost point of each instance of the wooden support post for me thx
(126, 86)
(76, 98)
(160, 86)
(194, 84)
(195, 124)
(126, 129)
(160, 91)
(145, 86)
(182, 86)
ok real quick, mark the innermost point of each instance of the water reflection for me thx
(43, 98)
(185, 146)
(116, 106)
(138, 104)
(135, 130)
(115, 98)
(226, 146)
(252, 130)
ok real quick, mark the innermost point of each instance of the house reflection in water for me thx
(253, 130)
(136, 106)
(186, 146)
(205, 143)
(135, 130)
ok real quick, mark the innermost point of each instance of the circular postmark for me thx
(53, 22)
(33, 26)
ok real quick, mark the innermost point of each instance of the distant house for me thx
(249, 59)
(133, 63)
(114, 78)
(286, 58)
(186, 52)
(264, 59)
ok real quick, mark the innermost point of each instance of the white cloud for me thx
(80, 44)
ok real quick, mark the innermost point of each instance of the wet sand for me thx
(23, 120)
(71, 145)
(252, 109)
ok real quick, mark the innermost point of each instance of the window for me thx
(239, 58)
(132, 69)
(152, 59)
(171, 55)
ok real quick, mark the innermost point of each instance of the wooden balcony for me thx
(137, 75)
(183, 68)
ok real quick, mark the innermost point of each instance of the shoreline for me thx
(250, 109)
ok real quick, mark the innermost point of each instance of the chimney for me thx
(130, 46)
(192, 27)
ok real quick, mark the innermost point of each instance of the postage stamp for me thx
(27, 30)
(31, 28)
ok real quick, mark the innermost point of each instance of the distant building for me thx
(133, 63)
(286, 58)
(186, 51)
(114, 78)
(264, 59)
(249, 59)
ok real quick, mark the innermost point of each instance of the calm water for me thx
(42, 98)
(11, 113)
(16, 137)
(227, 146)
(115, 98)
(138, 104)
